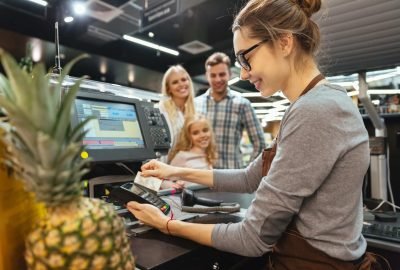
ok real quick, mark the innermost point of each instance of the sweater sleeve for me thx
(239, 180)
(308, 148)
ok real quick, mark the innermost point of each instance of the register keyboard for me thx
(381, 231)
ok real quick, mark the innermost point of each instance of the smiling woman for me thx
(178, 102)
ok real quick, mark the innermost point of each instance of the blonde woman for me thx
(177, 89)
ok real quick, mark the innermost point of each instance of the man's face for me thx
(218, 77)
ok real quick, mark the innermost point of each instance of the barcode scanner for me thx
(190, 199)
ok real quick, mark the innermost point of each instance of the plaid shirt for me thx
(229, 117)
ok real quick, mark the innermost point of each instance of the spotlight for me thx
(79, 8)
(68, 19)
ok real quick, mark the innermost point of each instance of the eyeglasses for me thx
(241, 59)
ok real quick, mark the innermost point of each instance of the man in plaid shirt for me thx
(229, 113)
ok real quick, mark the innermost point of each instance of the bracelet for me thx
(167, 225)
(171, 218)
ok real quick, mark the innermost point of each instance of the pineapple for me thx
(17, 212)
(76, 232)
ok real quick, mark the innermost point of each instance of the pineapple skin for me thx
(80, 236)
(18, 213)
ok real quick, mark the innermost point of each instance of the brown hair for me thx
(269, 19)
(218, 58)
(184, 142)
(169, 104)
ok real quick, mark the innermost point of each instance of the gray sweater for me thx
(315, 179)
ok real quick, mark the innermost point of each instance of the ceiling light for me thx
(39, 2)
(79, 8)
(151, 45)
(251, 94)
(233, 81)
(383, 91)
(131, 74)
(37, 50)
(376, 92)
(261, 104)
(68, 19)
(103, 66)
(353, 93)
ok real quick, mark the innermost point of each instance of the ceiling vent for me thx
(102, 11)
(101, 34)
(195, 47)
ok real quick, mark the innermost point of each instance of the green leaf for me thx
(69, 66)
(7, 105)
(48, 150)
(78, 132)
(66, 71)
(20, 82)
(43, 112)
(5, 87)
(64, 114)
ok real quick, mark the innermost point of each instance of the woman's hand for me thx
(149, 215)
(158, 169)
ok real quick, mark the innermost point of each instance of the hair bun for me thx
(309, 6)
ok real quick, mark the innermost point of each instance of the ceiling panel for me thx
(357, 35)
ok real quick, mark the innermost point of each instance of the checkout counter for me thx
(152, 249)
(155, 250)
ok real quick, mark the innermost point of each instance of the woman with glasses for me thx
(307, 211)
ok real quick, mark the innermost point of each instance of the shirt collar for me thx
(229, 94)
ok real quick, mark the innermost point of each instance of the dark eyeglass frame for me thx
(241, 59)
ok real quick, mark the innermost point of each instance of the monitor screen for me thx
(120, 129)
(116, 124)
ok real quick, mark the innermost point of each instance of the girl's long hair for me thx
(184, 142)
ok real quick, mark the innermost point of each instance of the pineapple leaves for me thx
(46, 145)
(66, 71)
(48, 150)
(20, 82)
(78, 133)
(44, 110)
(64, 114)
(5, 88)
(68, 67)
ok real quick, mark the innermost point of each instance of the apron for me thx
(292, 251)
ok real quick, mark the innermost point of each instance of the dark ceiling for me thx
(357, 34)
(207, 21)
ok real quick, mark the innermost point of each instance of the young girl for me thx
(195, 148)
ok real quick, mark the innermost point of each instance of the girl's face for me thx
(178, 85)
(268, 65)
(200, 135)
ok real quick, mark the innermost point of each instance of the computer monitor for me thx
(119, 131)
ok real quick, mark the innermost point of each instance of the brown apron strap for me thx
(269, 153)
(294, 252)
(313, 82)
